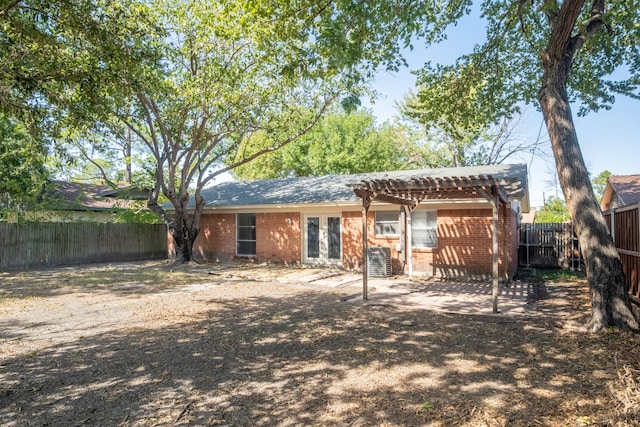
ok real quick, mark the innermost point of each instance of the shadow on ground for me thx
(305, 358)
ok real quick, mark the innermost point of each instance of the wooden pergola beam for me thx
(429, 183)
(383, 197)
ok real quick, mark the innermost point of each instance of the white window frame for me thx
(381, 224)
(238, 240)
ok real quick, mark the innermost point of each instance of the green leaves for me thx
(506, 71)
(342, 142)
(71, 54)
(22, 171)
(554, 210)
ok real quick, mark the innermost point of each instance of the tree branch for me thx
(550, 9)
(596, 22)
(274, 147)
(7, 8)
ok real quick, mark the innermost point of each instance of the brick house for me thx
(319, 220)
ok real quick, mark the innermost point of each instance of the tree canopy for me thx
(227, 81)
(23, 174)
(554, 54)
(69, 55)
(554, 210)
(499, 75)
(341, 142)
(599, 183)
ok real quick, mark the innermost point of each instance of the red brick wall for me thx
(464, 241)
(217, 238)
(277, 237)
(352, 241)
(464, 244)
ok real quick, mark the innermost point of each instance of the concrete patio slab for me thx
(466, 297)
(454, 296)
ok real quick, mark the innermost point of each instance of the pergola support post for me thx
(494, 207)
(494, 200)
(408, 238)
(366, 202)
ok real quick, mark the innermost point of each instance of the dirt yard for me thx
(145, 344)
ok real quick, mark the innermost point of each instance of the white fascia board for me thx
(479, 203)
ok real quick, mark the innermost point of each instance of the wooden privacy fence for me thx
(549, 245)
(625, 229)
(49, 244)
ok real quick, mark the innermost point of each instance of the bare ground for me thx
(144, 344)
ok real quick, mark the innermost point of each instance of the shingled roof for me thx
(335, 189)
(621, 190)
(88, 197)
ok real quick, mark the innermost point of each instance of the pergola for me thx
(411, 191)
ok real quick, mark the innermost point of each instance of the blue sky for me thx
(609, 138)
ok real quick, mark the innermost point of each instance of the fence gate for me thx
(549, 245)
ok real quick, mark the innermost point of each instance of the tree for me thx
(554, 54)
(22, 171)
(68, 55)
(463, 143)
(107, 153)
(225, 84)
(239, 70)
(599, 183)
(341, 142)
(192, 81)
(554, 210)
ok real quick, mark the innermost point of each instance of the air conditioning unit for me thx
(379, 262)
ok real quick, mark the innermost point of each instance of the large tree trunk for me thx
(610, 304)
(184, 237)
(182, 227)
(187, 229)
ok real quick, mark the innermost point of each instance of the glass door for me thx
(313, 237)
(323, 239)
(334, 251)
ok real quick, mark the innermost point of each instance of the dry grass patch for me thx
(145, 344)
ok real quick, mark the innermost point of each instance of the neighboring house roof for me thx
(65, 195)
(333, 188)
(621, 190)
(529, 217)
(126, 192)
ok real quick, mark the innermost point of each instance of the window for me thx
(246, 234)
(313, 237)
(333, 228)
(387, 223)
(424, 229)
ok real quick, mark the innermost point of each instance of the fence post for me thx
(613, 225)
(527, 228)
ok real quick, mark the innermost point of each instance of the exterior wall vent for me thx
(379, 262)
